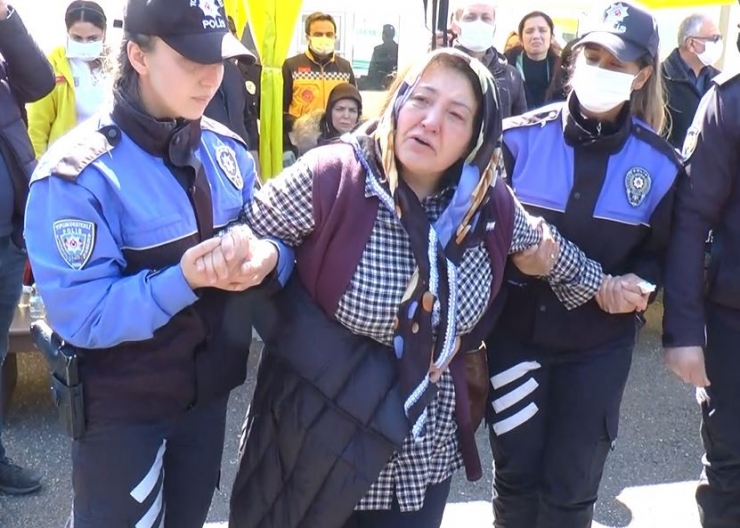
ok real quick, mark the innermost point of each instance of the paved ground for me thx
(648, 481)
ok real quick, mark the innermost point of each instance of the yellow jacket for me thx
(54, 115)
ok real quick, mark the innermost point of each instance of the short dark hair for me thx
(318, 16)
(85, 11)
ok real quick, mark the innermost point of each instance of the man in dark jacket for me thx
(384, 62)
(701, 322)
(236, 103)
(475, 24)
(25, 76)
(688, 71)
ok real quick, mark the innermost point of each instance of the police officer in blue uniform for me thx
(596, 168)
(120, 214)
(701, 325)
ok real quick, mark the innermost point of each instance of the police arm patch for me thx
(75, 240)
(226, 159)
(637, 183)
(689, 144)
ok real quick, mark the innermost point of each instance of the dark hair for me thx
(126, 81)
(85, 11)
(318, 16)
(536, 14)
(560, 87)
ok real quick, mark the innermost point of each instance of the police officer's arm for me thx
(649, 259)
(286, 256)
(287, 87)
(574, 278)
(30, 74)
(701, 196)
(98, 305)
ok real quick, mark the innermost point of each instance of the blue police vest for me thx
(541, 151)
(609, 216)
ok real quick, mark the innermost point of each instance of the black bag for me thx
(66, 386)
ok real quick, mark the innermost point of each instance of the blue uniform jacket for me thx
(610, 191)
(112, 208)
(78, 230)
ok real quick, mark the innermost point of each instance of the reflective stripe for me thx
(515, 396)
(504, 426)
(513, 374)
(146, 486)
(150, 517)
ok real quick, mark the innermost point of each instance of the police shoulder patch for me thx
(75, 240)
(226, 159)
(541, 117)
(689, 144)
(637, 183)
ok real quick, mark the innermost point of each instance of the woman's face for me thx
(601, 57)
(345, 114)
(173, 86)
(435, 126)
(85, 32)
(536, 36)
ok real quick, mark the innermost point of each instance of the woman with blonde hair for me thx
(80, 77)
(597, 168)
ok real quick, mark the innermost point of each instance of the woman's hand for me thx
(622, 294)
(539, 260)
(239, 262)
(193, 272)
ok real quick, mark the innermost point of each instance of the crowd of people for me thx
(481, 251)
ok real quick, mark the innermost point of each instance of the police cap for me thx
(196, 29)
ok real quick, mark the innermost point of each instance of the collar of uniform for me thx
(579, 130)
(160, 138)
(317, 60)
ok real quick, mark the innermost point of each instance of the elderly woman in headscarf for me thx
(362, 412)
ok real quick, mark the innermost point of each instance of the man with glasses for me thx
(689, 70)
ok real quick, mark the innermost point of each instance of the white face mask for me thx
(599, 90)
(86, 51)
(322, 45)
(712, 53)
(477, 35)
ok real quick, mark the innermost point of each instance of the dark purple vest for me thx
(327, 259)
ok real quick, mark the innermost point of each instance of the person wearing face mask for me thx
(688, 72)
(475, 26)
(309, 77)
(80, 77)
(119, 212)
(596, 167)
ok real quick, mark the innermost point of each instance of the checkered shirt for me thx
(283, 209)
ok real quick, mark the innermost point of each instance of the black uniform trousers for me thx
(160, 475)
(552, 420)
(718, 493)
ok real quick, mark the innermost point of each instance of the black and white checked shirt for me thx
(283, 209)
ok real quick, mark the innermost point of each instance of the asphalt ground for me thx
(648, 483)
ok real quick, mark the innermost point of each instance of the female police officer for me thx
(596, 169)
(119, 212)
